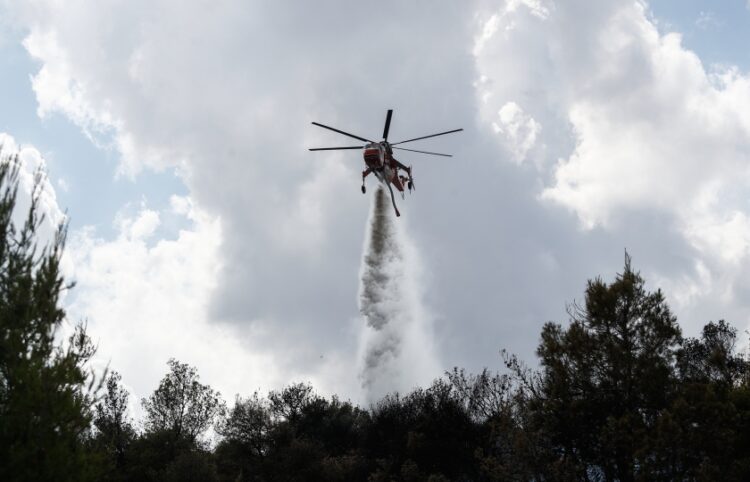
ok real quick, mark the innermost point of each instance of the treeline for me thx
(618, 394)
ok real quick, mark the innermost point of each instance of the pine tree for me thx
(607, 377)
(45, 390)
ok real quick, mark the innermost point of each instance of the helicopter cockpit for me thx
(374, 155)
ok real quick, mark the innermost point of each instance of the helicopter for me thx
(379, 160)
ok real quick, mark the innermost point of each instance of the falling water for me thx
(397, 347)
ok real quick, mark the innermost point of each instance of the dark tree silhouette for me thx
(607, 376)
(701, 434)
(428, 433)
(181, 406)
(113, 432)
(179, 412)
(46, 392)
(246, 436)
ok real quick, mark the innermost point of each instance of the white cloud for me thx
(652, 129)
(226, 96)
(537, 8)
(58, 90)
(686, 290)
(588, 92)
(140, 228)
(728, 237)
(658, 141)
(33, 168)
(147, 302)
(635, 126)
(518, 129)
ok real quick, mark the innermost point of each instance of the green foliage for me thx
(618, 395)
(698, 436)
(711, 359)
(247, 440)
(152, 453)
(179, 412)
(194, 466)
(428, 432)
(45, 391)
(607, 377)
(248, 425)
(294, 434)
(113, 431)
(182, 406)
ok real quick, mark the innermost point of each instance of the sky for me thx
(175, 141)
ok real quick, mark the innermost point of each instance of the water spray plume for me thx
(397, 348)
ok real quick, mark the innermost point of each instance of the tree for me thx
(511, 447)
(309, 436)
(427, 433)
(194, 466)
(46, 392)
(700, 435)
(711, 358)
(607, 377)
(248, 425)
(290, 401)
(178, 414)
(114, 432)
(246, 438)
(181, 406)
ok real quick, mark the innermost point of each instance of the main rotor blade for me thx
(387, 124)
(426, 137)
(423, 152)
(341, 132)
(335, 148)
